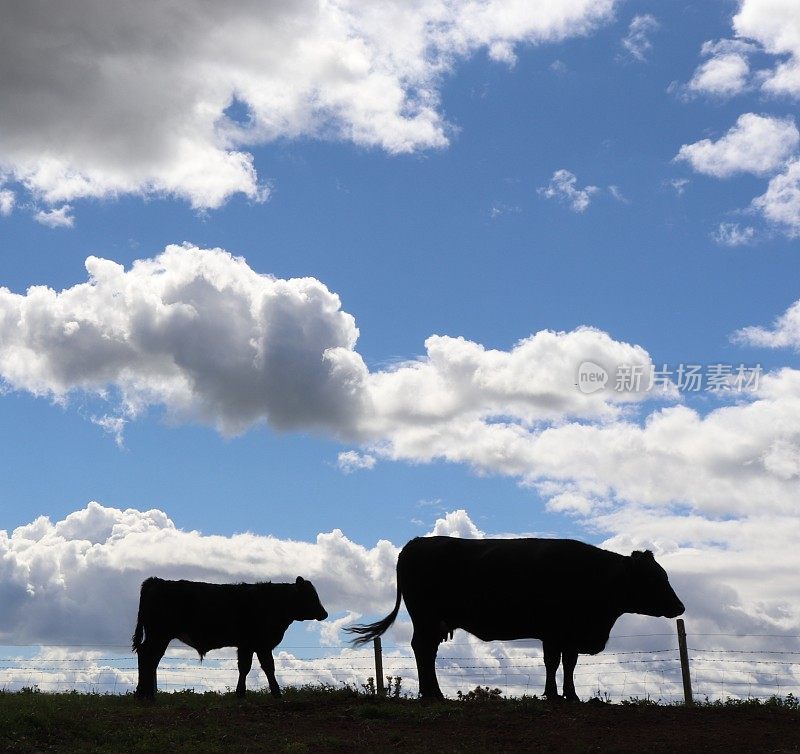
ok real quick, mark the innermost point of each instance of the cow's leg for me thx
(569, 658)
(245, 661)
(268, 666)
(552, 659)
(425, 645)
(149, 654)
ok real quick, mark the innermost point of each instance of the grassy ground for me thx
(341, 720)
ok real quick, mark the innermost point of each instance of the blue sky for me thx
(455, 239)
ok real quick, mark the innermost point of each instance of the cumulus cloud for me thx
(726, 71)
(55, 218)
(637, 41)
(715, 463)
(780, 204)
(75, 581)
(762, 145)
(170, 115)
(773, 25)
(457, 524)
(201, 334)
(756, 144)
(785, 333)
(197, 331)
(564, 187)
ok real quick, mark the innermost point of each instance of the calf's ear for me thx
(299, 580)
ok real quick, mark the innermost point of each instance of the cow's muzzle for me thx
(323, 615)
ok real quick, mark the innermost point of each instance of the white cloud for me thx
(637, 41)
(785, 333)
(756, 144)
(712, 463)
(774, 25)
(351, 460)
(563, 186)
(205, 336)
(75, 581)
(760, 145)
(202, 334)
(284, 352)
(56, 218)
(457, 524)
(461, 388)
(781, 202)
(159, 91)
(196, 331)
(722, 75)
(7, 201)
(733, 234)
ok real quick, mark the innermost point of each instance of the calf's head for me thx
(307, 605)
(650, 592)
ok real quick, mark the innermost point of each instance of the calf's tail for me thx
(138, 634)
(368, 631)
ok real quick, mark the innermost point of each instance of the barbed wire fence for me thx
(758, 667)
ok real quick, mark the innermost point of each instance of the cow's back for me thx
(505, 588)
(209, 615)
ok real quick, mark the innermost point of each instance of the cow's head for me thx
(650, 592)
(308, 606)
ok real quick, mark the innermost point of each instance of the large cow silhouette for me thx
(567, 593)
(250, 617)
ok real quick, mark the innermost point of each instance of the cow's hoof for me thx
(571, 698)
(276, 694)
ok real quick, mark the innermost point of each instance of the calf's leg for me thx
(268, 666)
(569, 658)
(552, 659)
(245, 662)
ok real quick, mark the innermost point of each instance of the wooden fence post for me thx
(687, 679)
(379, 687)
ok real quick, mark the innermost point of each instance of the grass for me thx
(341, 719)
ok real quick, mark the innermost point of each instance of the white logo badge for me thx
(591, 377)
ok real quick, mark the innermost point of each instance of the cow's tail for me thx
(368, 631)
(138, 633)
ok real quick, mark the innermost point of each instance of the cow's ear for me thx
(299, 580)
